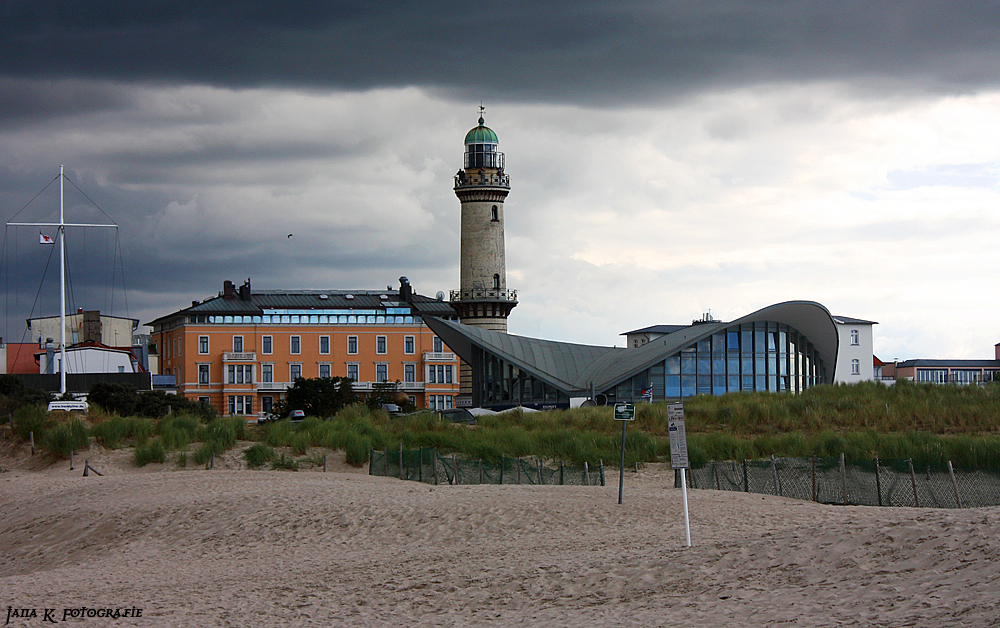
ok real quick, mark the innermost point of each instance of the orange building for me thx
(242, 350)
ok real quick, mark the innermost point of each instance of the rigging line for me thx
(20, 346)
(56, 178)
(6, 282)
(91, 200)
(121, 262)
(69, 281)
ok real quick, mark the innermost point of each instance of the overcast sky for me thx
(667, 159)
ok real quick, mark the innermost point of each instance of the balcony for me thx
(473, 180)
(239, 357)
(439, 357)
(509, 296)
(273, 386)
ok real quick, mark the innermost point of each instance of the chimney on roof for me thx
(996, 351)
(405, 290)
(245, 290)
(228, 290)
(92, 326)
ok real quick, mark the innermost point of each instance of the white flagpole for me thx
(62, 284)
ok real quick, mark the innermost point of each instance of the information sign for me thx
(678, 436)
(624, 412)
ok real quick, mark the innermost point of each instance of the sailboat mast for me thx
(62, 284)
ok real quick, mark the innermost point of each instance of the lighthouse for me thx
(482, 186)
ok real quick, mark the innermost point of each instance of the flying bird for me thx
(289, 235)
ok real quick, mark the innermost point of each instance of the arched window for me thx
(496, 282)
(495, 214)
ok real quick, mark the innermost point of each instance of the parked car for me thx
(458, 415)
(296, 416)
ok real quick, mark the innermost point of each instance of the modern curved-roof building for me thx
(786, 347)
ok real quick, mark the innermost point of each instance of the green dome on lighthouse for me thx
(481, 134)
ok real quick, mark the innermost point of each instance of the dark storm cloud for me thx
(532, 50)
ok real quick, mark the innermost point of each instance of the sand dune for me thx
(265, 548)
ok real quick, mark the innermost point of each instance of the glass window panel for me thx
(718, 343)
(704, 364)
(704, 346)
(688, 364)
(733, 383)
(689, 385)
(704, 384)
(747, 382)
(758, 341)
(673, 365)
(672, 386)
(733, 340)
(734, 365)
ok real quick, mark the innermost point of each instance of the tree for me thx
(119, 398)
(321, 396)
(382, 393)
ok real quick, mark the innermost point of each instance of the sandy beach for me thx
(239, 547)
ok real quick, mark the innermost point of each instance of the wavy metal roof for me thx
(572, 367)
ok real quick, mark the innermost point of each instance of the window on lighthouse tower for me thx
(496, 282)
(494, 214)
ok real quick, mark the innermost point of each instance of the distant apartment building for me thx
(242, 350)
(945, 371)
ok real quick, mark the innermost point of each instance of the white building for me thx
(855, 354)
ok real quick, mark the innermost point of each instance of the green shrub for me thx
(182, 460)
(150, 451)
(356, 449)
(28, 419)
(65, 438)
(113, 432)
(257, 455)
(285, 463)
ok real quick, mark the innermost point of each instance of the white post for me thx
(687, 521)
(62, 284)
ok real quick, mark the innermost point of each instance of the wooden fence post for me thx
(401, 474)
(434, 461)
(954, 484)
(814, 477)
(843, 476)
(480, 470)
(420, 464)
(211, 461)
(31, 435)
(774, 471)
(541, 479)
(562, 479)
(878, 482)
(324, 464)
(501, 468)
(586, 474)
(519, 470)
(913, 482)
(71, 461)
(746, 477)
(454, 464)
(715, 474)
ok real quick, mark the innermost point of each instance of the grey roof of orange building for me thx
(312, 300)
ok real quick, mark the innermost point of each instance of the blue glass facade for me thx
(760, 356)
(755, 356)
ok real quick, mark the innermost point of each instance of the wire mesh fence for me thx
(429, 466)
(854, 482)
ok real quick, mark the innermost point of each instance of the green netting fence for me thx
(427, 465)
(853, 482)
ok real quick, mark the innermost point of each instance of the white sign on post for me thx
(678, 437)
(679, 456)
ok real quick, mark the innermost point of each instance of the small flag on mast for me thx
(44, 239)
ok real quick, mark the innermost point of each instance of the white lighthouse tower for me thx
(481, 186)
